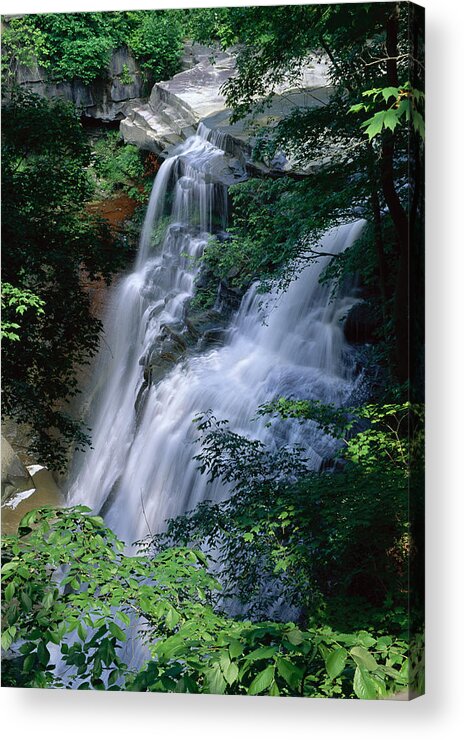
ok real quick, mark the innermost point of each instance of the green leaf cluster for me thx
(50, 242)
(68, 583)
(406, 106)
(17, 301)
(276, 230)
(117, 167)
(156, 40)
(79, 45)
(388, 436)
(73, 598)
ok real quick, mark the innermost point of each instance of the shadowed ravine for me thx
(140, 471)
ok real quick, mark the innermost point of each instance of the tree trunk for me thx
(398, 214)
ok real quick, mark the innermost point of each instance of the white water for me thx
(140, 470)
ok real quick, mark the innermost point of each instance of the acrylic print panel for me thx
(212, 479)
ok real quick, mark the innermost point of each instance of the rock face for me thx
(105, 98)
(177, 107)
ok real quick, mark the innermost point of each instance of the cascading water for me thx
(150, 298)
(140, 471)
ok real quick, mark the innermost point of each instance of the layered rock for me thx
(104, 99)
(178, 106)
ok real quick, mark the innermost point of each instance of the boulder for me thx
(212, 338)
(201, 322)
(229, 298)
(42, 491)
(169, 348)
(15, 476)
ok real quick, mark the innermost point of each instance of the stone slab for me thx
(176, 107)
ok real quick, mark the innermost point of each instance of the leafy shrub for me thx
(118, 167)
(71, 596)
(277, 226)
(339, 546)
(15, 302)
(156, 40)
(79, 45)
(47, 237)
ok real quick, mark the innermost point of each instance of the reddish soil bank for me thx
(115, 210)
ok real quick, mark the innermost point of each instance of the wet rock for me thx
(195, 53)
(230, 298)
(156, 311)
(203, 278)
(233, 272)
(171, 337)
(201, 322)
(196, 332)
(44, 481)
(212, 337)
(169, 348)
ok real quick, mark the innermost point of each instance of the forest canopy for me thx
(79, 45)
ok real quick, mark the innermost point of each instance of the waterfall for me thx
(140, 471)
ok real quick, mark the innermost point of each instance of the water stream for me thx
(140, 470)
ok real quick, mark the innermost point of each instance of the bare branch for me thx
(388, 59)
(322, 254)
(144, 514)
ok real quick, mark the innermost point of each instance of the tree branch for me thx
(322, 254)
(392, 58)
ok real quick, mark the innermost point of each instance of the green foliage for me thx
(211, 25)
(16, 301)
(70, 594)
(267, 226)
(79, 45)
(118, 167)
(289, 533)
(125, 76)
(156, 39)
(22, 43)
(392, 438)
(275, 42)
(225, 656)
(67, 582)
(404, 107)
(67, 45)
(48, 238)
(277, 227)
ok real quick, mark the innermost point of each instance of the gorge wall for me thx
(159, 118)
(103, 99)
